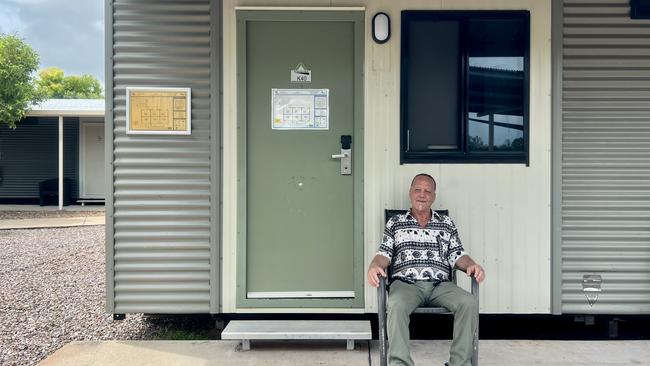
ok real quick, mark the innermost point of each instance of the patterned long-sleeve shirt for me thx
(421, 254)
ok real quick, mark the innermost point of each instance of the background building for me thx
(30, 155)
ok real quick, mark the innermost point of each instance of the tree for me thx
(476, 144)
(18, 65)
(52, 83)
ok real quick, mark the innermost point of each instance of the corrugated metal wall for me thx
(30, 154)
(163, 249)
(605, 156)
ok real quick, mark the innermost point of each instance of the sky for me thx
(68, 34)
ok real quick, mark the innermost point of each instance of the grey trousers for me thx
(403, 298)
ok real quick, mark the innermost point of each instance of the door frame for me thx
(357, 17)
(83, 123)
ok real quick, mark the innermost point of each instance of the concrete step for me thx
(247, 330)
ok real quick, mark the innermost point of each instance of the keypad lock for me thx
(346, 155)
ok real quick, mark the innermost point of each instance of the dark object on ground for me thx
(48, 191)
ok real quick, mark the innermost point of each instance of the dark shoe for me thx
(446, 364)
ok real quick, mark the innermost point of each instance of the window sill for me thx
(463, 158)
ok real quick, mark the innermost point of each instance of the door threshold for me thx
(300, 295)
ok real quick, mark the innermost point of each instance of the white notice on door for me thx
(300, 109)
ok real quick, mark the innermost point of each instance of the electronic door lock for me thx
(346, 155)
(346, 142)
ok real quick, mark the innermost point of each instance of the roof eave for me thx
(67, 113)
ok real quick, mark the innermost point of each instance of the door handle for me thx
(346, 155)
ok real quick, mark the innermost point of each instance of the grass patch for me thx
(182, 327)
(182, 335)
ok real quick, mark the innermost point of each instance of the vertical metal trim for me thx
(358, 184)
(81, 162)
(527, 92)
(463, 94)
(240, 270)
(108, 155)
(216, 16)
(403, 92)
(490, 132)
(557, 36)
(60, 174)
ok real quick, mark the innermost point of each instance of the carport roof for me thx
(69, 108)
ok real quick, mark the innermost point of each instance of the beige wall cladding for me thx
(605, 157)
(502, 210)
(161, 214)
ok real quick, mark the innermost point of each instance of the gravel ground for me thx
(52, 292)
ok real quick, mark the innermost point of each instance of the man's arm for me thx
(377, 267)
(467, 265)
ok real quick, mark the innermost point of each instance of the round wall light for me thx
(381, 27)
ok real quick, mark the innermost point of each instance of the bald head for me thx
(424, 176)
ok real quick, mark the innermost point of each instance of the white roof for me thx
(69, 108)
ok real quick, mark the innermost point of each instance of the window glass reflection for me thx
(479, 133)
(508, 139)
(496, 85)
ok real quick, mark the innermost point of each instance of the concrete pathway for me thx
(75, 215)
(52, 222)
(284, 353)
(36, 208)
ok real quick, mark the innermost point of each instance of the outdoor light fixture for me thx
(381, 27)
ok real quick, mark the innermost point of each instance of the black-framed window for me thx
(464, 86)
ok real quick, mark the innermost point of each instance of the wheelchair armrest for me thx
(381, 312)
(475, 288)
(382, 292)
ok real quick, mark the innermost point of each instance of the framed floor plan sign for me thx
(158, 111)
(300, 109)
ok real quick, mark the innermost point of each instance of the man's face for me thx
(422, 194)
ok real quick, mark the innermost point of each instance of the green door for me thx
(300, 213)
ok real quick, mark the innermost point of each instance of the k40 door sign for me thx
(300, 74)
(300, 109)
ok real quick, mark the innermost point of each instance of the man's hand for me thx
(476, 271)
(377, 268)
(373, 275)
(467, 265)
